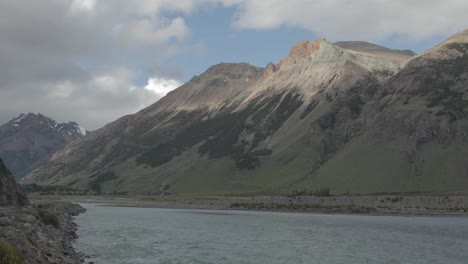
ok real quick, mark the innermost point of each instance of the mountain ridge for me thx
(278, 128)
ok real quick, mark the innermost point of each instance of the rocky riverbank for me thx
(41, 233)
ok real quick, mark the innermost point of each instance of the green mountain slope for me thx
(417, 141)
(348, 118)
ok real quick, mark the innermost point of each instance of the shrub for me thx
(297, 192)
(397, 199)
(9, 255)
(98, 179)
(48, 218)
(322, 192)
(355, 104)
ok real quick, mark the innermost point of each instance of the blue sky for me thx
(212, 30)
(93, 61)
(221, 42)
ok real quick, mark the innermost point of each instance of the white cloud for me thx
(373, 20)
(161, 86)
(70, 59)
(148, 32)
(83, 5)
(104, 97)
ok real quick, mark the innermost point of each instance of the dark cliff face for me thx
(10, 192)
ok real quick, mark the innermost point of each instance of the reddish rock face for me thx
(10, 192)
(304, 48)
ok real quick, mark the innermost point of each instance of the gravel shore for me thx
(372, 205)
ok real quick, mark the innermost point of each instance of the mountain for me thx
(236, 128)
(29, 140)
(398, 56)
(10, 192)
(416, 139)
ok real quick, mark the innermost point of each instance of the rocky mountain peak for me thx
(305, 48)
(453, 48)
(219, 83)
(306, 52)
(321, 52)
(29, 140)
(394, 55)
(26, 121)
(232, 71)
(371, 48)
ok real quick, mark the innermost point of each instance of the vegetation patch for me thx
(48, 218)
(440, 93)
(98, 179)
(302, 207)
(9, 255)
(246, 161)
(384, 73)
(355, 104)
(50, 190)
(440, 88)
(221, 136)
(460, 47)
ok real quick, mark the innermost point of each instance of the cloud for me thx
(104, 96)
(358, 19)
(161, 86)
(80, 59)
(83, 5)
(147, 32)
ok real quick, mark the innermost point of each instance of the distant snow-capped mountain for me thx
(29, 140)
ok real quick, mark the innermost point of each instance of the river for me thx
(114, 235)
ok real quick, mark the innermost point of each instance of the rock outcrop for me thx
(41, 234)
(11, 194)
(35, 234)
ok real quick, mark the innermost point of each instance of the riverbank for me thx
(369, 205)
(41, 233)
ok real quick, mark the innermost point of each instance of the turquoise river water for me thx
(114, 235)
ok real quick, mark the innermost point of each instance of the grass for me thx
(9, 255)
